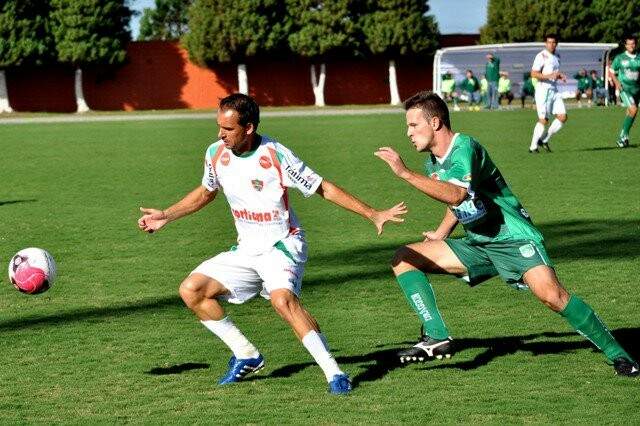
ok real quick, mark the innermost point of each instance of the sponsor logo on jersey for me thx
(210, 173)
(297, 177)
(524, 213)
(225, 158)
(265, 162)
(247, 215)
(257, 184)
(527, 250)
(624, 63)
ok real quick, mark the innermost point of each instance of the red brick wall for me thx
(158, 75)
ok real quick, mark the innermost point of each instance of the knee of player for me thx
(400, 256)
(563, 118)
(188, 290)
(633, 110)
(282, 304)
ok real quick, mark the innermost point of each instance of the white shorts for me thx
(549, 102)
(246, 276)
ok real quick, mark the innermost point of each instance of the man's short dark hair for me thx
(246, 107)
(631, 37)
(431, 105)
(551, 35)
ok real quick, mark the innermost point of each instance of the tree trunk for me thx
(243, 81)
(4, 95)
(318, 83)
(393, 83)
(80, 102)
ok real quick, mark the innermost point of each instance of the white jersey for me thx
(255, 185)
(546, 62)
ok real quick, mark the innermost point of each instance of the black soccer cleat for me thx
(625, 367)
(534, 151)
(427, 349)
(545, 145)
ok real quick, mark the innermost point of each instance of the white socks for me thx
(538, 131)
(227, 331)
(317, 346)
(553, 129)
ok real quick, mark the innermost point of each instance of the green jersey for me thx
(491, 212)
(470, 84)
(584, 81)
(627, 69)
(492, 69)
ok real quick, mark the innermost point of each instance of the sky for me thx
(453, 16)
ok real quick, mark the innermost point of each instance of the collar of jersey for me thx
(446, 154)
(249, 153)
(632, 56)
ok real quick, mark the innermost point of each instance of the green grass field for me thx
(112, 342)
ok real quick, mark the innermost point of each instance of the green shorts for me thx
(628, 99)
(509, 259)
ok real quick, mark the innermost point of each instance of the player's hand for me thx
(562, 77)
(433, 236)
(151, 220)
(393, 159)
(391, 215)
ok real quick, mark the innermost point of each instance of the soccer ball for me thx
(32, 270)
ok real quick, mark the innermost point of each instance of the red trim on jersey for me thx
(285, 194)
(215, 157)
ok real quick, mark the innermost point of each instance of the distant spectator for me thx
(449, 93)
(504, 88)
(470, 88)
(597, 88)
(584, 87)
(492, 72)
(528, 87)
(484, 91)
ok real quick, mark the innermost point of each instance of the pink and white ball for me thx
(32, 270)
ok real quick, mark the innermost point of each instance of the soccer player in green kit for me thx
(626, 72)
(500, 236)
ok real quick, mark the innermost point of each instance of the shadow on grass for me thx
(379, 363)
(91, 315)
(176, 369)
(4, 203)
(606, 148)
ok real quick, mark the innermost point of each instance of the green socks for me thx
(419, 294)
(626, 126)
(585, 321)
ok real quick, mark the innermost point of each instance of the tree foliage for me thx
(614, 20)
(234, 30)
(322, 28)
(167, 21)
(24, 36)
(398, 27)
(576, 20)
(90, 32)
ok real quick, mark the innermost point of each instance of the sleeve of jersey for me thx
(538, 63)
(296, 174)
(461, 171)
(209, 179)
(615, 65)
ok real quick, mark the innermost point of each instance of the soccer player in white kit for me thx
(255, 172)
(546, 68)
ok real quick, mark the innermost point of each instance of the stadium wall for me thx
(159, 75)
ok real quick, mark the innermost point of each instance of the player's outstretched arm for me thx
(446, 227)
(339, 196)
(444, 192)
(154, 219)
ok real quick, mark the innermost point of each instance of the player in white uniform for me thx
(546, 68)
(255, 172)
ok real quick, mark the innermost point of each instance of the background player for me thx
(500, 236)
(546, 68)
(254, 172)
(626, 69)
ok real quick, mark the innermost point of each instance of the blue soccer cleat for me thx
(340, 384)
(239, 368)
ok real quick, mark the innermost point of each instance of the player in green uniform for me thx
(500, 236)
(626, 73)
